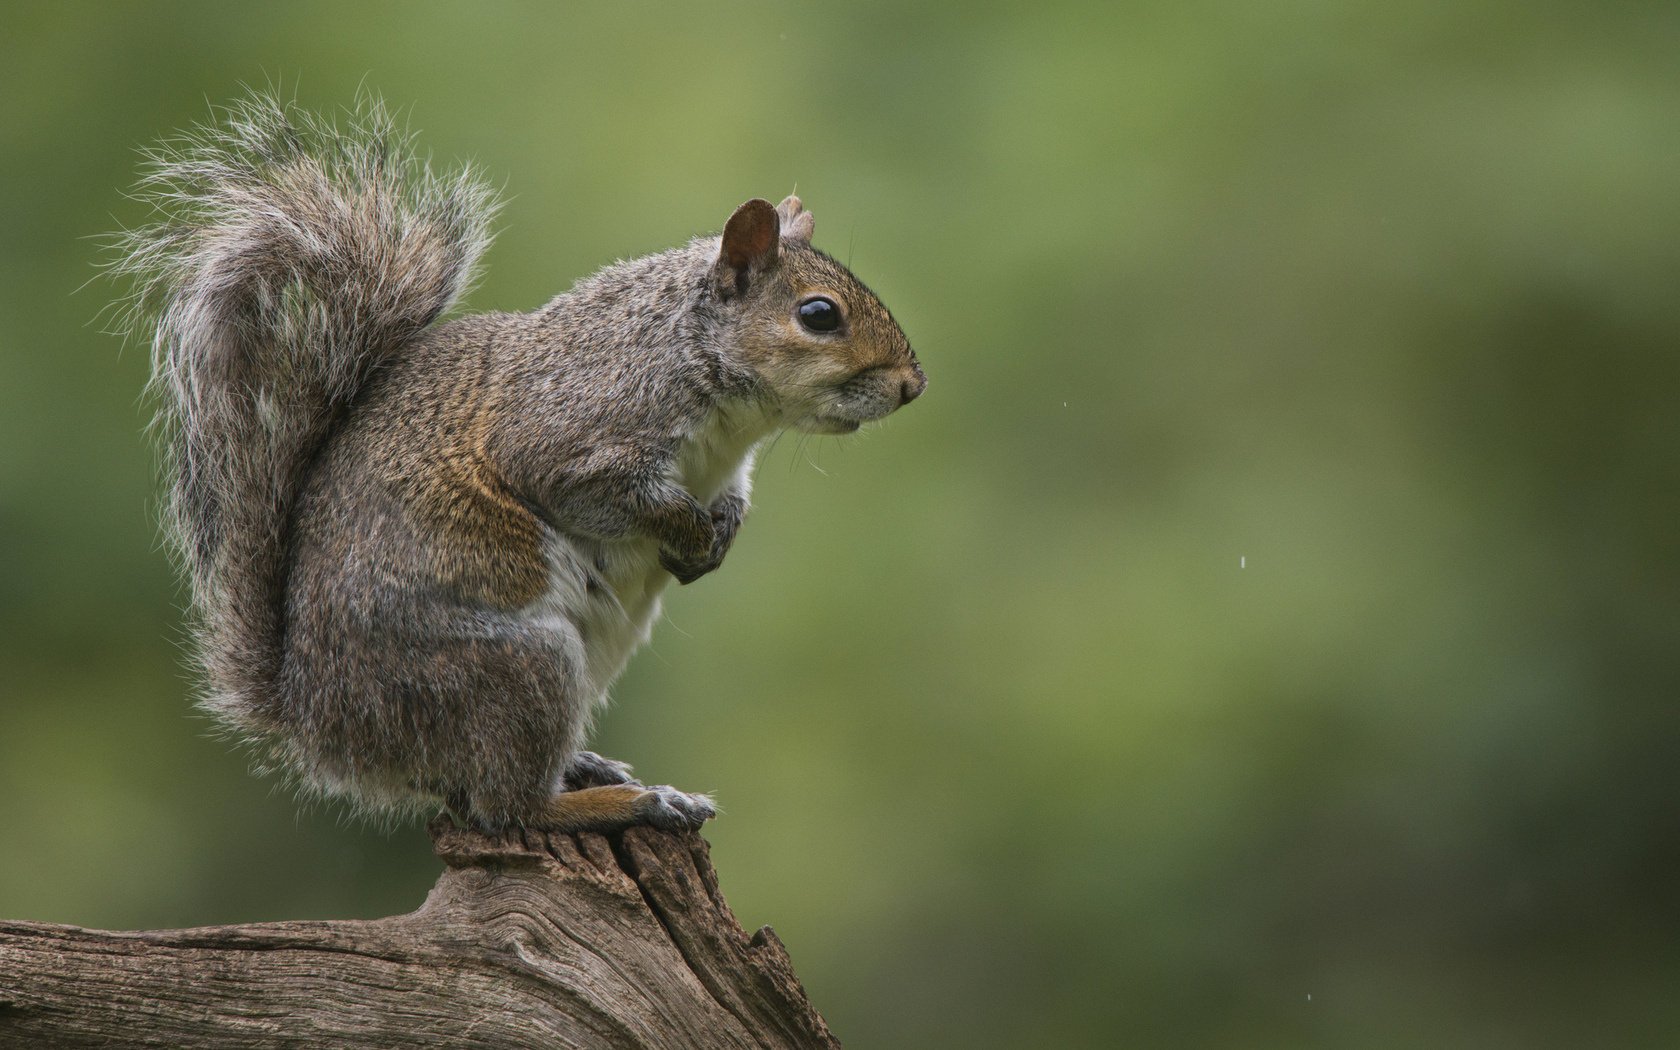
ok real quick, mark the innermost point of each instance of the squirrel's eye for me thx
(819, 314)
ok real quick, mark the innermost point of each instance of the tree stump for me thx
(533, 940)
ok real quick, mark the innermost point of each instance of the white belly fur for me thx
(606, 624)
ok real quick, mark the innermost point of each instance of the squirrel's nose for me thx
(912, 388)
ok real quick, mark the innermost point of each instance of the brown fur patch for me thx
(593, 809)
(488, 544)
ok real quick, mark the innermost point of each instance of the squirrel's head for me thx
(826, 348)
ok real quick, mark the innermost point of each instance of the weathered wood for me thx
(619, 941)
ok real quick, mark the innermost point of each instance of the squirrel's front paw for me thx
(688, 547)
(726, 512)
(685, 571)
(668, 809)
(725, 515)
(688, 567)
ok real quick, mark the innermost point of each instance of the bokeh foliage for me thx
(1264, 632)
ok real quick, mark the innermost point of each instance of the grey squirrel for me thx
(421, 553)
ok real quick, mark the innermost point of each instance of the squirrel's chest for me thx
(603, 595)
(601, 603)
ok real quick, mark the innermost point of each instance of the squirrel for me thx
(420, 553)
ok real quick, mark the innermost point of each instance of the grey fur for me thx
(419, 554)
(291, 259)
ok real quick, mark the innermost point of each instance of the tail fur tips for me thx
(288, 256)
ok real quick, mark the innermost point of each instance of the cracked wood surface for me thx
(584, 940)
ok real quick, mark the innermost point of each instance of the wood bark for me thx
(535, 940)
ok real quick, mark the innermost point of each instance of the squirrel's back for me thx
(289, 260)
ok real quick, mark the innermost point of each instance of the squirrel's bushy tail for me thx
(289, 258)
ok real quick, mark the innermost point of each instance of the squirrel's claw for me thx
(668, 809)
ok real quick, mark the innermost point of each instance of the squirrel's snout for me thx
(912, 388)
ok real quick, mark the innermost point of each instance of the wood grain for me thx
(585, 940)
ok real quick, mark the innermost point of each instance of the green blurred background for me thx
(1264, 633)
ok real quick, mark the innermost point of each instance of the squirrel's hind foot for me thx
(671, 810)
(614, 807)
(586, 769)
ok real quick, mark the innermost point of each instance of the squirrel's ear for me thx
(749, 245)
(797, 223)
